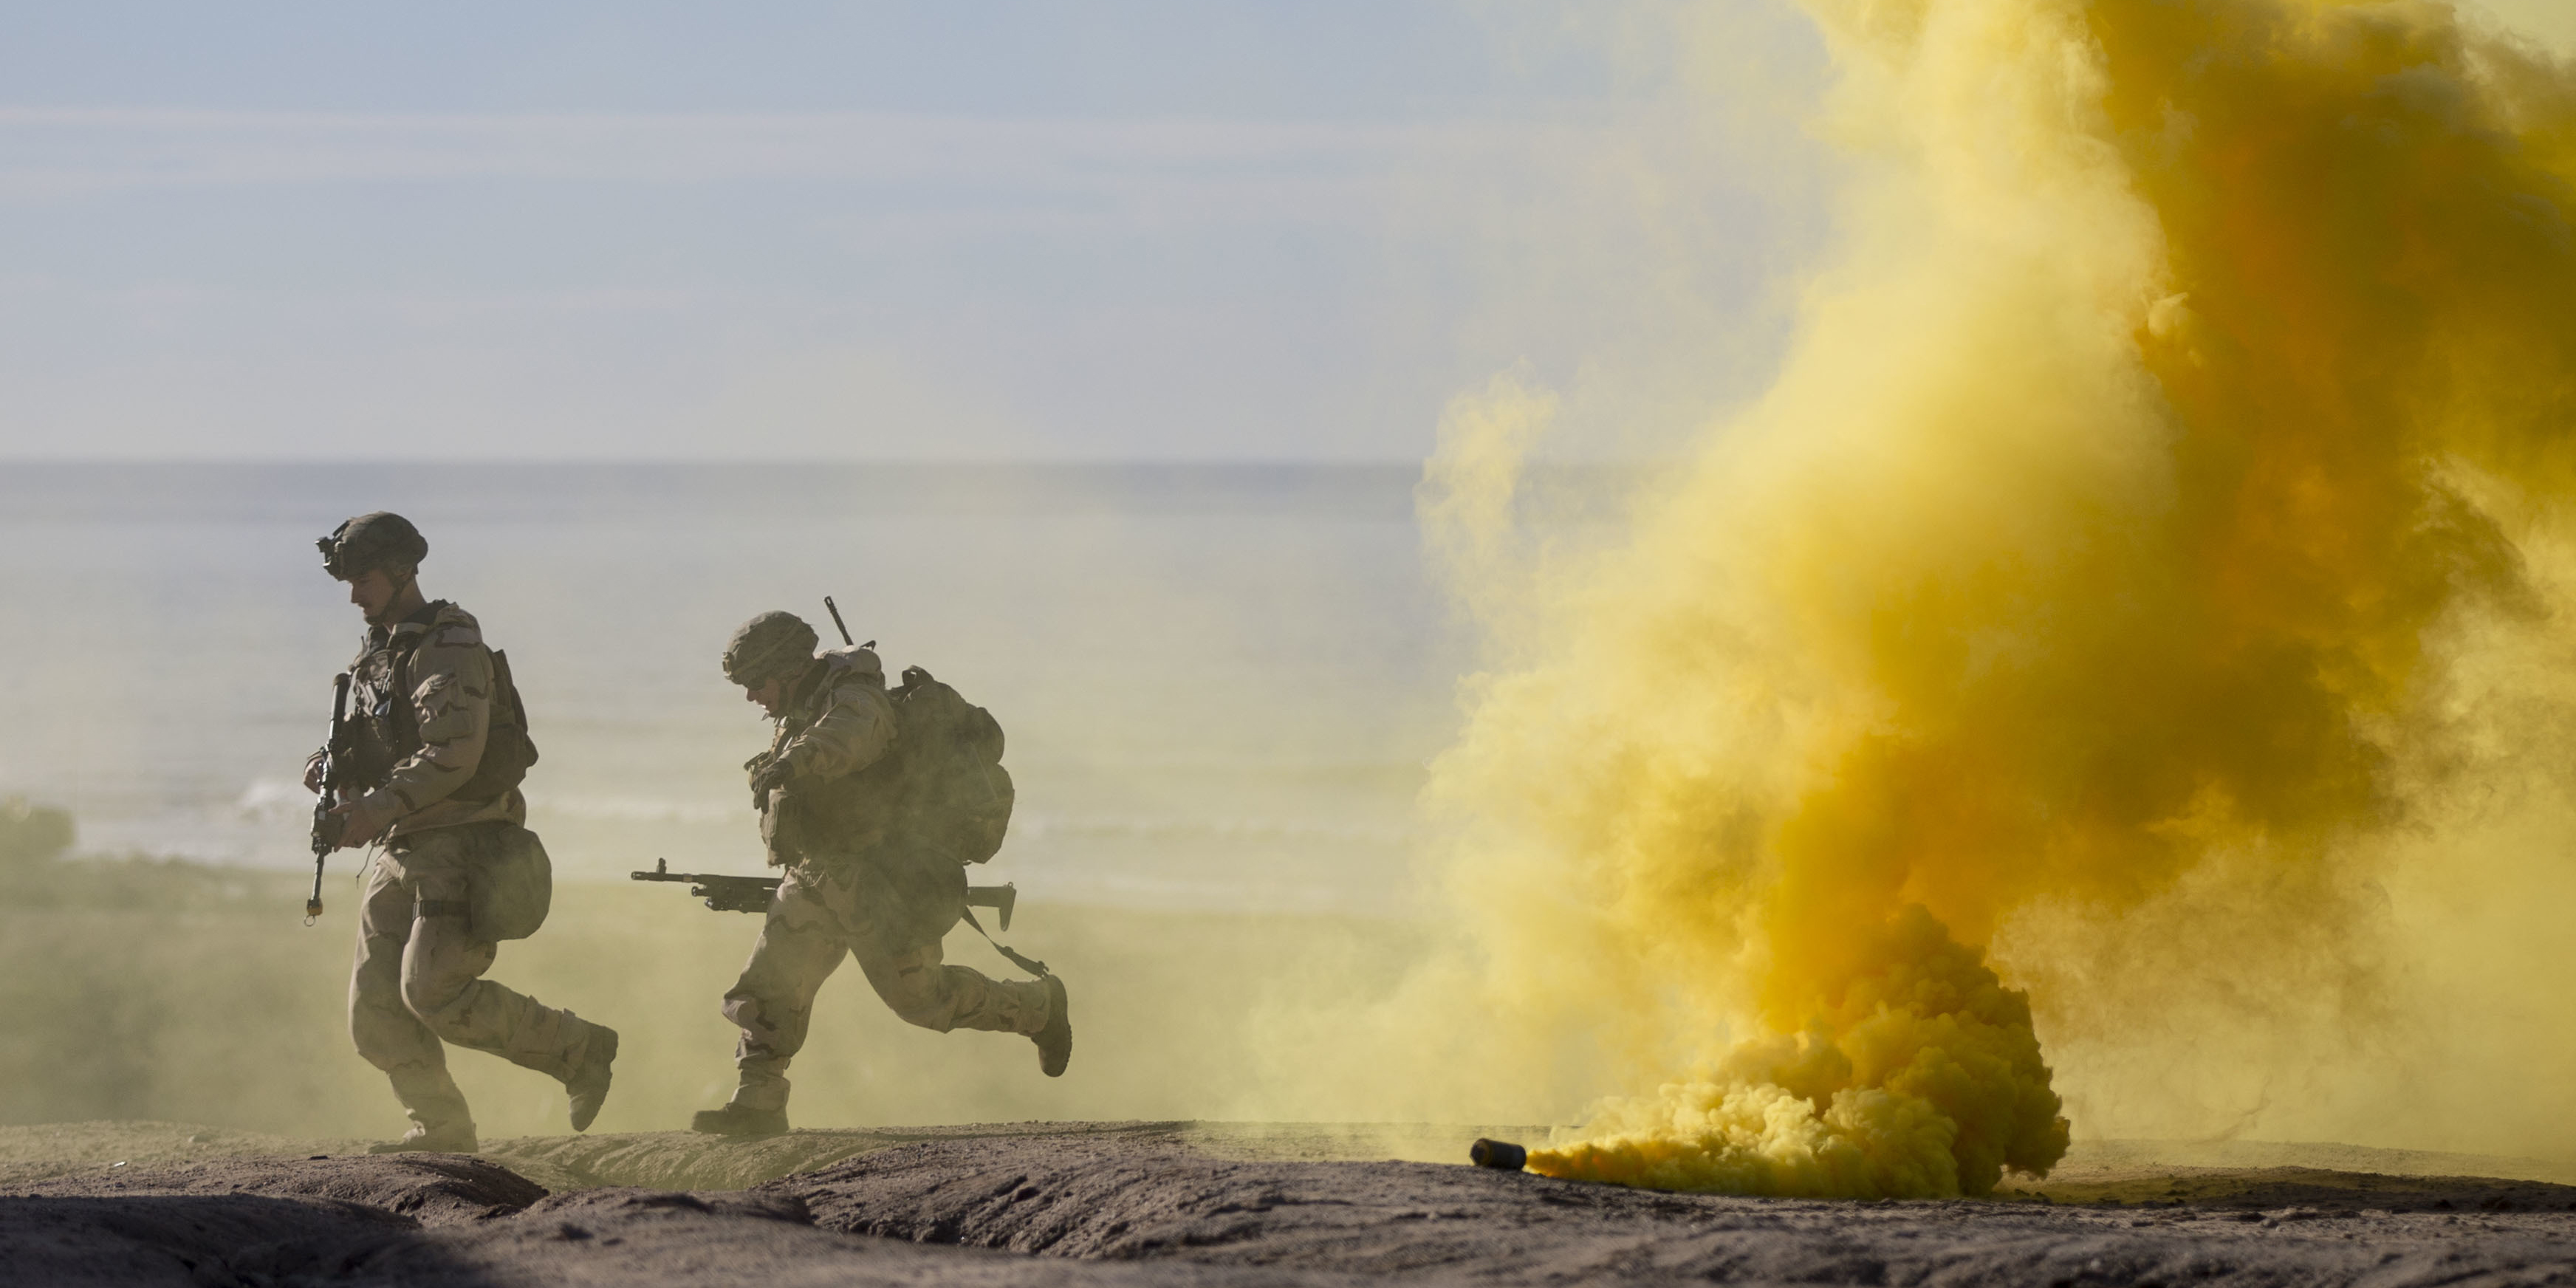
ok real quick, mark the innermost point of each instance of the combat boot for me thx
(589, 1083)
(1055, 1041)
(740, 1120)
(452, 1139)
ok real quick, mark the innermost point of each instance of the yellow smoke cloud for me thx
(2189, 370)
(1921, 1077)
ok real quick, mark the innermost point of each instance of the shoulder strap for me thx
(406, 721)
(402, 665)
(402, 655)
(1031, 965)
(505, 691)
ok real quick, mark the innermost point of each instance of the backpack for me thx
(956, 797)
(508, 751)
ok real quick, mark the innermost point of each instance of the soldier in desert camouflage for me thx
(855, 885)
(441, 745)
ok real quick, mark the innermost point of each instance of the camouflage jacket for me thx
(449, 706)
(838, 724)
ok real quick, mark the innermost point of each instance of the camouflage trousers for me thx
(418, 982)
(816, 920)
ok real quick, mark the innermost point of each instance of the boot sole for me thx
(1063, 1005)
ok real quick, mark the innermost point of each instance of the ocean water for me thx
(1220, 683)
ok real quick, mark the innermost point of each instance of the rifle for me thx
(722, 893)
(753, 894)
(335, 769)
(841, 626)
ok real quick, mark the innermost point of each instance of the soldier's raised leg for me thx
(898, 910)
(940, 998)
(921, 990)
(443, 984)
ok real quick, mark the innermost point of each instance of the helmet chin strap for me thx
(409, 581)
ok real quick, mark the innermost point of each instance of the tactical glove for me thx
(769, 777)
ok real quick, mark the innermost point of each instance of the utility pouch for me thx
(783, 827)
(511, 888)
(905, 897)
(930, 888)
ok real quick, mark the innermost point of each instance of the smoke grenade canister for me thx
(1501, 1155)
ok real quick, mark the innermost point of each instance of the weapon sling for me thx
(1031, 965)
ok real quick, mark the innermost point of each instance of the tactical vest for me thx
(387, 731)
(837, 817)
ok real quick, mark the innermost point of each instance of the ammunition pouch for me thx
(366, 760)
(828, 820)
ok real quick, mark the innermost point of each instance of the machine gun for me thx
(722, 893)
(335, 774)
(752, 894)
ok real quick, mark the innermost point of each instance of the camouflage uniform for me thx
(418, 978)
(851, 889)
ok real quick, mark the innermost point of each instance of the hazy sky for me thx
(940, 228)
(1105, 229)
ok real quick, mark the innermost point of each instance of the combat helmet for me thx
(769, 645)
(381, 539)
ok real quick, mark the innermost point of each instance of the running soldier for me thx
(440, 744)
(855, 883)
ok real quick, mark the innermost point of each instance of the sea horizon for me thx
(1221, 681)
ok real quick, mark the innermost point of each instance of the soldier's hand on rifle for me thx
(770, 777)
(313, 774)
(362, 822)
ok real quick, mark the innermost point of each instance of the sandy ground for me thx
(1098, 1203)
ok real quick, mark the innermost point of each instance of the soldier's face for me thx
(373, 592)
(772, 696)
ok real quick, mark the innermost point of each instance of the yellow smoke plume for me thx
(2189, 370)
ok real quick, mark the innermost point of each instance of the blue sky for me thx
(1035, 230)
(1007, 229)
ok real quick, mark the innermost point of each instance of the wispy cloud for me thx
(1275, 169)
